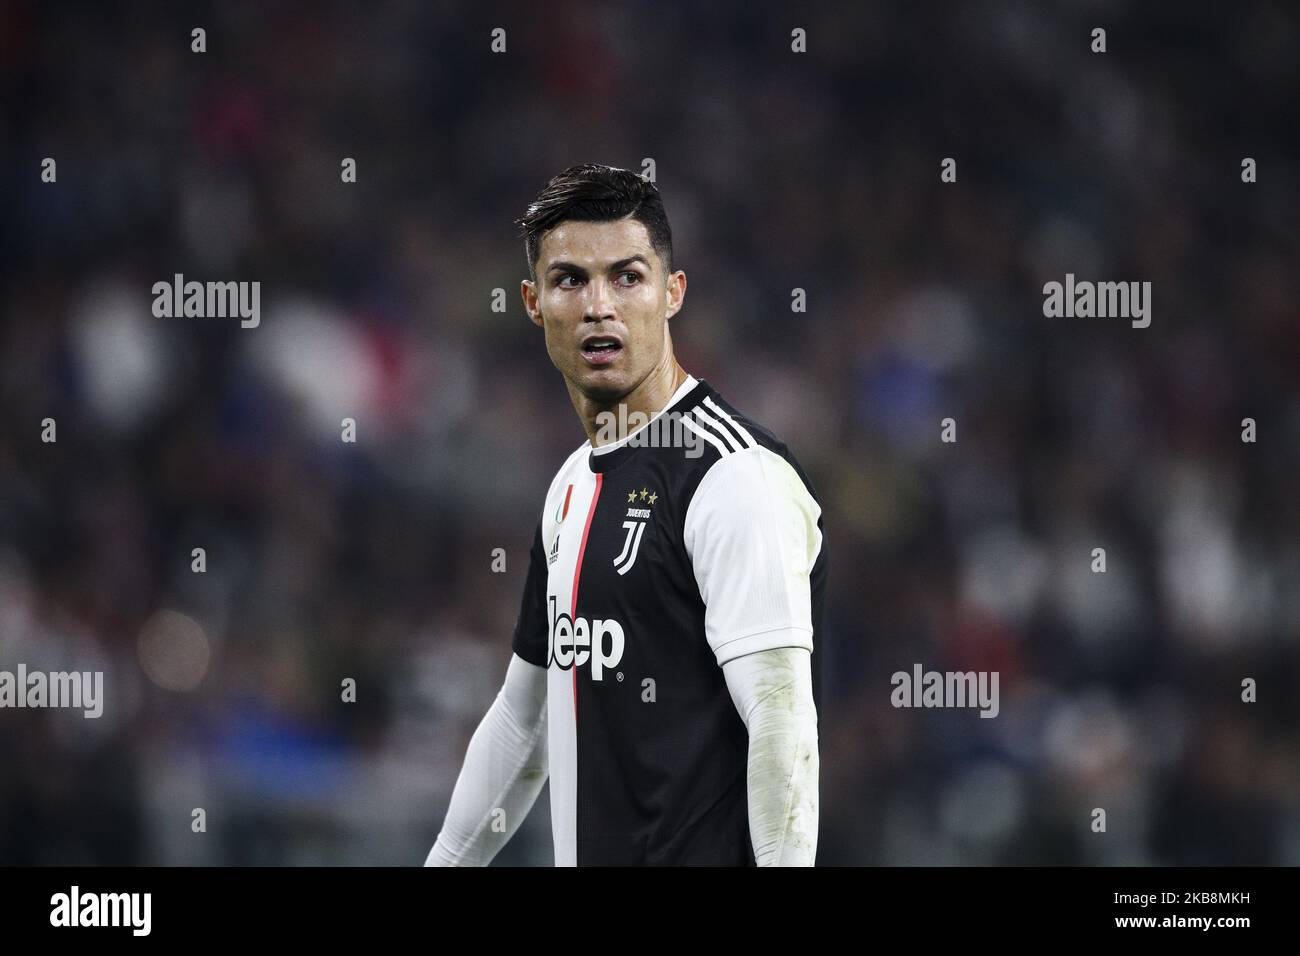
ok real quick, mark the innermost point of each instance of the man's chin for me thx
(603, 386)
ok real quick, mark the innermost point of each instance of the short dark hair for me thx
(591, 193)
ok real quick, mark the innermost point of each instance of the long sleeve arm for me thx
(772, 691)
(505, 768)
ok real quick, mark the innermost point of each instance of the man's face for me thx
(604, 301)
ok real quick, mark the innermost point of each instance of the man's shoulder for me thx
(752, 514)
(737, 430)
(734, 438)
(740, 451)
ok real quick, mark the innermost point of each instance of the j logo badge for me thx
(638, 518)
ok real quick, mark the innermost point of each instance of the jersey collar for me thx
(607, 456)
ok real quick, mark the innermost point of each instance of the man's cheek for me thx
(557, 354)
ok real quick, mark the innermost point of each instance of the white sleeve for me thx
(751, 534)
(772, 691)
(505, 768)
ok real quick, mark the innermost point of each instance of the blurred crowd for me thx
(325, 561)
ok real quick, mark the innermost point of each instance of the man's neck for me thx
(649, 398)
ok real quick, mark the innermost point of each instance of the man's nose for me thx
(600, 300)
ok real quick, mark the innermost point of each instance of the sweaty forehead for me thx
(594, 244)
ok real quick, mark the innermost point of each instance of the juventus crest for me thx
(638, 518)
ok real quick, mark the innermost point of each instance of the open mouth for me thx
(601, 349)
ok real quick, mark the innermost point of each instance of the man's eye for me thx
(567, 275)
(636, 276)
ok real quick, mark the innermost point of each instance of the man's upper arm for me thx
(524, 691)
(777, 677)
(529, 641)
(752, 536)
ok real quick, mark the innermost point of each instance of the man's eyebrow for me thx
(614, 266)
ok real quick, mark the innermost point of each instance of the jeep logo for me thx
(572, 643)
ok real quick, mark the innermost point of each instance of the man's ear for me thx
(528, 291)
(675, 293)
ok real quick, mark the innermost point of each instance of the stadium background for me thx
(372, 560)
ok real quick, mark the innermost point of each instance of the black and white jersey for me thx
(694, 540)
